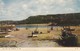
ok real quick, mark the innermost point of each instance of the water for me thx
(29, 26)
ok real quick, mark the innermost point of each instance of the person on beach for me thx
(51, 27)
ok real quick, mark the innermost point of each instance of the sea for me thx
(31, 26)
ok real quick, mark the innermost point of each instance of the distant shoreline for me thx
(33, 24)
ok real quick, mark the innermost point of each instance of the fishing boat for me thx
(34, 33)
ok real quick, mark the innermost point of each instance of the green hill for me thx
(60, 19)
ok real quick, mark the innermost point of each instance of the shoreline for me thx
(33, 25)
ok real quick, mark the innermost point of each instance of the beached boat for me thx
(9, 36)
(34, 33)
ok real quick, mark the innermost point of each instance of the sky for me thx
(22, 9)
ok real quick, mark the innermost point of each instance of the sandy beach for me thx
(42, 40)
(21, 37)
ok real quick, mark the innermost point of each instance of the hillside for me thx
(60, 19)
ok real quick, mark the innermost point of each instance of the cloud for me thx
(22, 9)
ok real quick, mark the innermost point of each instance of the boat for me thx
(9, 36)
(34, 33)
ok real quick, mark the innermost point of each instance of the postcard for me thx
(39, 24)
